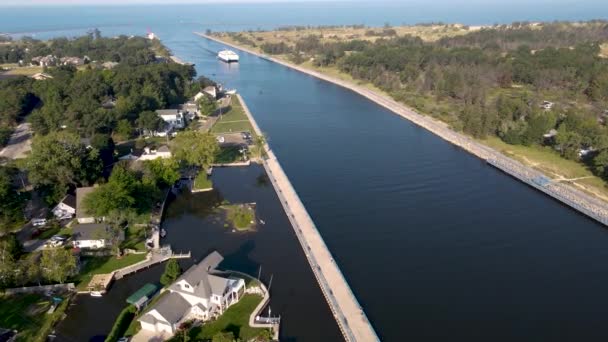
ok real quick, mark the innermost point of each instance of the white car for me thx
(38, 222)
(220, 139)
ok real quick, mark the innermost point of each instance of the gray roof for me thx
(171, 306)
(198, 277)
(90, 231)
(80, 195)
(69, 200)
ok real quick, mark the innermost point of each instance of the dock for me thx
(347, 311)
(154, 257)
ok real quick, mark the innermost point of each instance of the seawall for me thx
(568, 195)
(347, 311)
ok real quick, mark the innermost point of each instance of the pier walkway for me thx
(349, 315)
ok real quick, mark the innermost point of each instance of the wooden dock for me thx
(154, 257)
(347, 311)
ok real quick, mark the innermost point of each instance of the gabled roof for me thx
(69, 200)
(204, 283)
(90, 231)
(172, 307)
(195, 273)
(167, 111)
(81, 193)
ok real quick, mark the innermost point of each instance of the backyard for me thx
(103, 265)
(27, 313)
(234, 120)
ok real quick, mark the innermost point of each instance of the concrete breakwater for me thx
(569, 195)
(347, 311)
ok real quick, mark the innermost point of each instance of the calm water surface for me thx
(435, 243)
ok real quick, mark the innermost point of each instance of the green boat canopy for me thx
(146, 291)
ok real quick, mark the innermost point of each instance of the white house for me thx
(66, 208)
(173, 117)
(198, 294)
(90, 236)
(162, 152)
(81, 214)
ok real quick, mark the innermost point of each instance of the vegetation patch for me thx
(122, 323)
(230, 154)
(202, 181)
(241, 216)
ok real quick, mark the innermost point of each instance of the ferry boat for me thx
(228, 56)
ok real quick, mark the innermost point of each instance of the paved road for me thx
(19, 144)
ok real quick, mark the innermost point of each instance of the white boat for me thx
(231, 92)
(228, 56)
(96, 294)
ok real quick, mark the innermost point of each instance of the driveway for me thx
(231, 139)
(19, 144)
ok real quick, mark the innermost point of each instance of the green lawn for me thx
(202, 181)
(229, 154)
(26, 313)
(26, 70)
(235, 120)
(135, 238)
(103, 265)
(235, 320)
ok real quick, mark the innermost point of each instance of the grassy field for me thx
(14, 69)
(26, 313)
(202, 181)
(338, 34)
(229, 154)
(103, 265)
(234, 120)
(235, 320)
(552, 164)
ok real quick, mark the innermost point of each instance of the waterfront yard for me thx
(27, 313)
(103, 265)
(202, 182)
(235, 320)
(234, 120)
(135, 237)
(228, 154)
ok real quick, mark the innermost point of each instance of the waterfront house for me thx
(66, 208)
(162, 152)
(199, 294)
(91, 236)
(81, 214)
(173, 117)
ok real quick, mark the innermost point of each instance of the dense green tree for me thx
(207, 105)
(58, 264)
(59, 160)
(172, 272)
(195, 148)
(11, 201)
(161, 172)
(150, 122)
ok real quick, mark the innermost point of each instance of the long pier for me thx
(156, 257)
(567, 194)
(349, 314)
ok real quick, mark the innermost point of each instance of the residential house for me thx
(191, 109)
(109, 65)
(92, 236)
(44, 61)
(81, 214)
(75, 61)
(66, 208)
(552, 133)
(173, 117)
(162, 152)
(199, 294)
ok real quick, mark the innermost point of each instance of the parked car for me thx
(220, 139)
(39, 222)
(246, 135)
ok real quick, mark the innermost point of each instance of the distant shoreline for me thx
(588, 205)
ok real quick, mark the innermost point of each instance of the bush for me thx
(172, 271)
(5, 134)
(122, 323)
